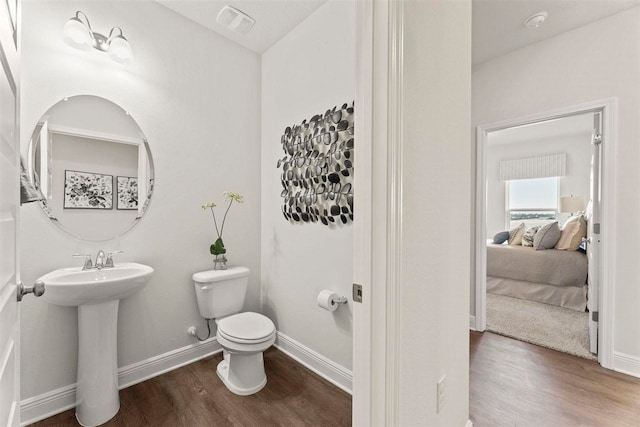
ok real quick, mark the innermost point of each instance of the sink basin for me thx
(97, 294)
(72, 286)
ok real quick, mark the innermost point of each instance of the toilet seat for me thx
(246, 328)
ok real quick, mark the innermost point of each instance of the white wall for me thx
(433, 323)
(308, 71)
(593, 62)
(576, 182)
(196, 96)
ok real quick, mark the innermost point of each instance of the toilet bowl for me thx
(242, 336)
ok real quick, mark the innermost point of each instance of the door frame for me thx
(362, 225)
(609, 108)
(378, 200)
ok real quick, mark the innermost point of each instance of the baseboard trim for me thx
(158, 365)
(626, 364)
(472, 323)
(336, 374)
(47, 404)
(51, 403)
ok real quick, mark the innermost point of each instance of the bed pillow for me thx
(515, 235)
(547, 237)
(527, 237)
(501, 237)
(574, 230)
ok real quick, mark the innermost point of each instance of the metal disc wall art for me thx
(317, 168)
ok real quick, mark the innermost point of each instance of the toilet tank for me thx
(221, 293)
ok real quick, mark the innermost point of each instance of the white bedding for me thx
(547, 276)
(551, 267)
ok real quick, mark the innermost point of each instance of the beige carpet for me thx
(546, 325)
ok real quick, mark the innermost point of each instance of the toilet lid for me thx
(246, 326)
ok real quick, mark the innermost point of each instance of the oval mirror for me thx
(92, 165)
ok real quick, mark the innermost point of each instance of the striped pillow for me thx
(528, 236)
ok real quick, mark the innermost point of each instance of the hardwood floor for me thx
(513, 383)
(194, 396)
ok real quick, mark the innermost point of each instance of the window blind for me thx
(547, 166)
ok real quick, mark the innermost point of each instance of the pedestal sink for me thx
(96, 293)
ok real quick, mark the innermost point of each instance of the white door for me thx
(593, 233)
(9, 205)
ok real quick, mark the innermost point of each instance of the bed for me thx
(548, 276)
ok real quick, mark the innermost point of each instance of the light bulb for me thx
(120, 50)
(77, 34)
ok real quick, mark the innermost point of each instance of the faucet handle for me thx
(109, 262)
(87, 260)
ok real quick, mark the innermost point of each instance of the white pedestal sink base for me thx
(97, 398)
(96, 293)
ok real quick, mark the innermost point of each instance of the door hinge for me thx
(596, 228)
(357, 293)
(595, 316)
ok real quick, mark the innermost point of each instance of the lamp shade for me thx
(120, 50)
(77, 34)
(572, 204)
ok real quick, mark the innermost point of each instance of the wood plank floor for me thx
(194, 396)
(513, 383)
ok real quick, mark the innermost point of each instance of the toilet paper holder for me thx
(339, 300)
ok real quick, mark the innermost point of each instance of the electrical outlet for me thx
(440, 390)
(191, 331)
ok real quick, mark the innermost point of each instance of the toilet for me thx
(243, 336)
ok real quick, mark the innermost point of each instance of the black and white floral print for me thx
(127, 192)
(85, 190)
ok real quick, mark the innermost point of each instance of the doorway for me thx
(600, 215)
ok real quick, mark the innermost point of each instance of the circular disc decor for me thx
(317, 168)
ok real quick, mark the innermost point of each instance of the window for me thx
(532, 201)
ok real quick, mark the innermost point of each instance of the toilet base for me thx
(242, 374)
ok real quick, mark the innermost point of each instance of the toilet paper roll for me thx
(326, 300)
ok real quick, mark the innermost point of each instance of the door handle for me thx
(37, 289)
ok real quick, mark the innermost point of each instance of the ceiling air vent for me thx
(235, 20)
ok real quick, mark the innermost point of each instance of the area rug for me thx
(546, 325)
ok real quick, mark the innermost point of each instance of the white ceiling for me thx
(566, 126)
(274, 18)
(498, 24)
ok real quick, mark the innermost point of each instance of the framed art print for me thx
(86, 190)
(127, 193)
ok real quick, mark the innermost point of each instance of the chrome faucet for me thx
(87, 261)
(109, 262)
(100, 260)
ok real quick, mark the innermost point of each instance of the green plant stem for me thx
(215, 223)
(225, 217)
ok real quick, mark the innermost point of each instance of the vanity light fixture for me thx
(78, 33)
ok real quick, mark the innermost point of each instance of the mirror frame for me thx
(31, 172)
